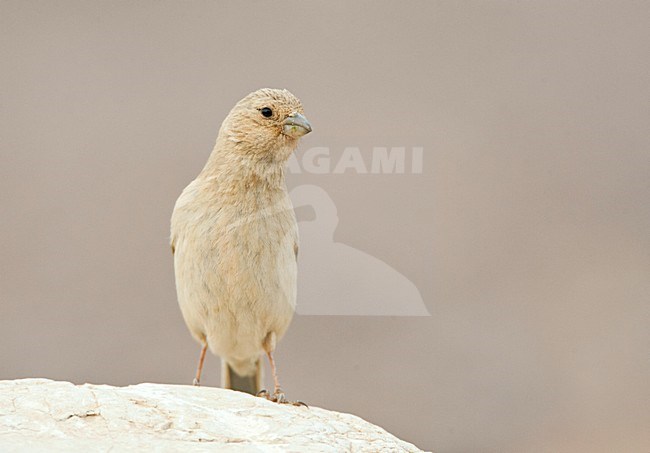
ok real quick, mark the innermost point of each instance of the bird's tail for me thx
(249, 384)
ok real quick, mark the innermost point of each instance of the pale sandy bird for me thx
(235, 240)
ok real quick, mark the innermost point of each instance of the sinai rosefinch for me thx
(235, 240)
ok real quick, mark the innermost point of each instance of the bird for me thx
(234, 240)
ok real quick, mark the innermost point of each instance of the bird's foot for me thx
(196, 382)
(278, 397)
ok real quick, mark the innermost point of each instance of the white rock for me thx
(45, 415)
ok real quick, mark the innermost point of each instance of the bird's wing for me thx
(180, 214)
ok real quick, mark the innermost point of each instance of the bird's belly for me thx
(236, 287)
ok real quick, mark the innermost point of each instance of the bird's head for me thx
(266, 125)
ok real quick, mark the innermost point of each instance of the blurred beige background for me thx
(526, 233)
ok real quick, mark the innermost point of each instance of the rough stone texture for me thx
(45, 415)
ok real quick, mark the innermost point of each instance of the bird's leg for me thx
(277, 391)
(197, 379)
(278, 394)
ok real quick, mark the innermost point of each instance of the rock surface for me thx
(45, 415)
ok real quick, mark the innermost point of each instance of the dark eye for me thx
(267, 112)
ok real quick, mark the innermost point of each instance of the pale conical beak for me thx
(296, 125)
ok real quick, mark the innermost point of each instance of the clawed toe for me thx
(196, 383)
(279, 397)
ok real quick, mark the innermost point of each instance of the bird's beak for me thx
(296, 125)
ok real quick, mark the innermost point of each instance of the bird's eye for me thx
(267, 112)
